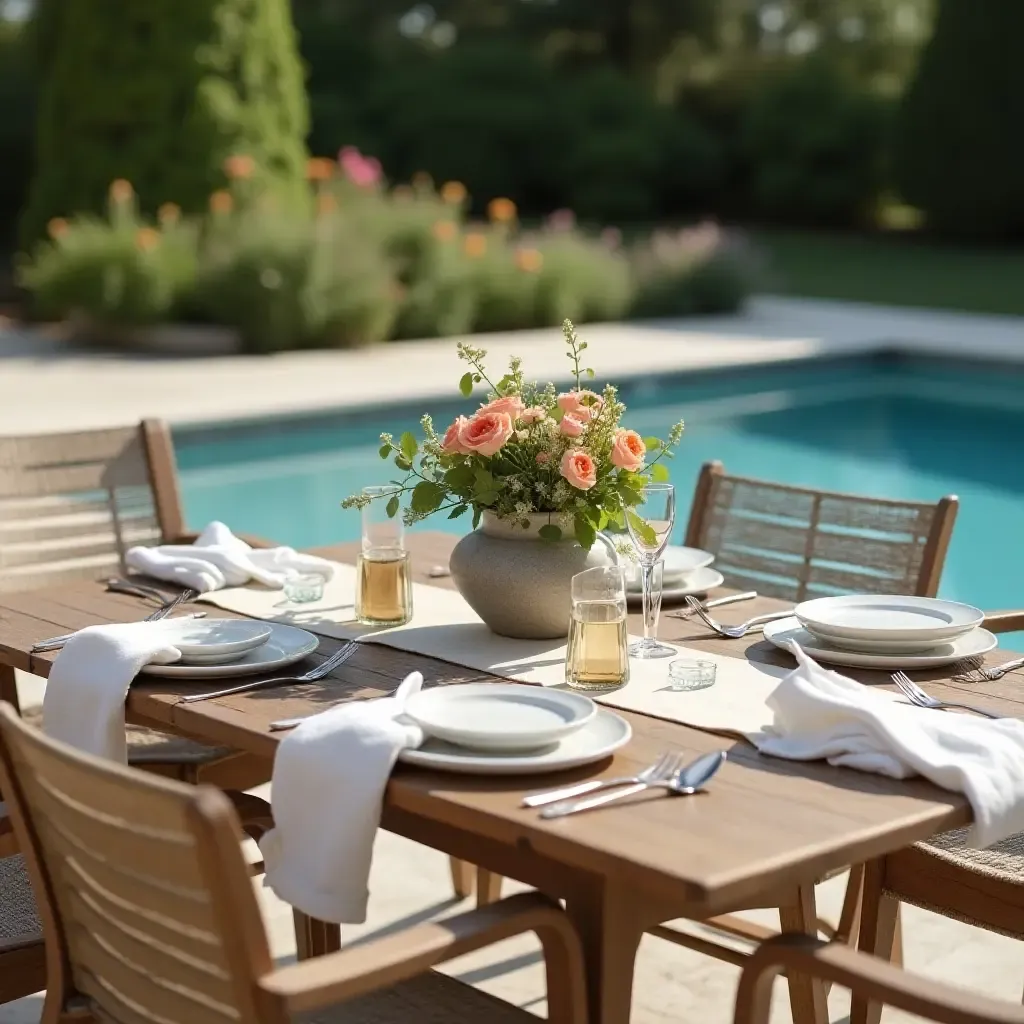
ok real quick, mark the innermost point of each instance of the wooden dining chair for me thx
(22, 953)
(795, 543)
(149, 913)
(984, 888)
(867, 978)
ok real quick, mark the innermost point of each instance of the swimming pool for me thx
(887, 425)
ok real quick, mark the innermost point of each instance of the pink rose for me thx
(510, 404)
(571, 425)
(486, 432)
(533, 415)
(628, 450)
(451, 443)
(578, 469)
(543, 458)
(577, 401)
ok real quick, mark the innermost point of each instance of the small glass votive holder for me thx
(305, 588)
(689, 674)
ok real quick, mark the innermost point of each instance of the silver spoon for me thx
(687, 781)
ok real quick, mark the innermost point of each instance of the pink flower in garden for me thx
(571, 425)
(578, 468)
(511, 404)
(533, 415)
(486, 432)
(628, 450)
(562, 220)
(451, 443)
(364, 171)
(543, 458)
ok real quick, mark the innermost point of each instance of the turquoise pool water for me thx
(886, 426)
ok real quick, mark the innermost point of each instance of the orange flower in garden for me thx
(326, 204)
(121, 190)
(221, 202)
(475, 244)
(57, 228)
(169, 213)
(147, 239)
(319, 168)
(239, 166)
(453, 192)
(529, 260)
(443, 230)
(501, 211)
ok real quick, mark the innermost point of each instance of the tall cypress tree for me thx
(161, 92)
(959, 152)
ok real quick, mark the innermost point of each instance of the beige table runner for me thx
(445, 627)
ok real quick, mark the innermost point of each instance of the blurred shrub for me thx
(696, 270)
(958, 150)
(114, 272)
(161, 93)
(816, 144)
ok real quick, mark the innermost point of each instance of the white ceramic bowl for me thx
(499, 716)
(222, 639)
(680, 564)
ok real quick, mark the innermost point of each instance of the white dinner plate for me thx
(877, 646)
(208, 639)
(599, 738)
(287, 645)
(782, 632)
(699, 582)
(680, 565)
(888, 617)
(499, 716)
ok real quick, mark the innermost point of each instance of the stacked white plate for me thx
(687, 571)
(884, 631)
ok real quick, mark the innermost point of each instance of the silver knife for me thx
(685, 613)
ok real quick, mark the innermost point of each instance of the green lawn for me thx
(893, 270)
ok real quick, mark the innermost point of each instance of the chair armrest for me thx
(250, 539)
(1004, 622)
(867, 976)
(322, 981)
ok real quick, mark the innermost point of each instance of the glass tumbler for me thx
(383, 575)
(597, 656)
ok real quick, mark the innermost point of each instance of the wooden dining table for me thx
(763, 827)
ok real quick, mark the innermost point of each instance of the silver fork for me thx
(733, 632)
(659, 770)
(918, 697)
(685, 613)
(55, 643)
(324, 668)
(970, 671)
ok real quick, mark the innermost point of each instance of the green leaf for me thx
(477, 513)
(392, 506)
(466, 384)
(484, 479)
(403, 463)
(589, 372)
(460, 478)
(426, 497)
(458, 511)
(585, 532)
(409, 446)
(660, 473)
(652, 444)
(385, 451)
(641, 528)
(550, 532)
(506, 382)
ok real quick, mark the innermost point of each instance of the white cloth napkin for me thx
(220, 559)
(326, 794)
(820, 714)
(83, 704)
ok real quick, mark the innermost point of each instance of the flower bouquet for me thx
(530, 463)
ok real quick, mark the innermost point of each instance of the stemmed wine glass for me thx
(650, 528)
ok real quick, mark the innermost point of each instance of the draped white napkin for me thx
(822, 715)
(327, 790)
(220, 559)
(83, 704)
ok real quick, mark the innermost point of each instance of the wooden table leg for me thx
(879, 934)
(314, 937)
(808, 996)
(463, 874)
(611, 922)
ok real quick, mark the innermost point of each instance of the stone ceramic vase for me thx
(518, 583)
